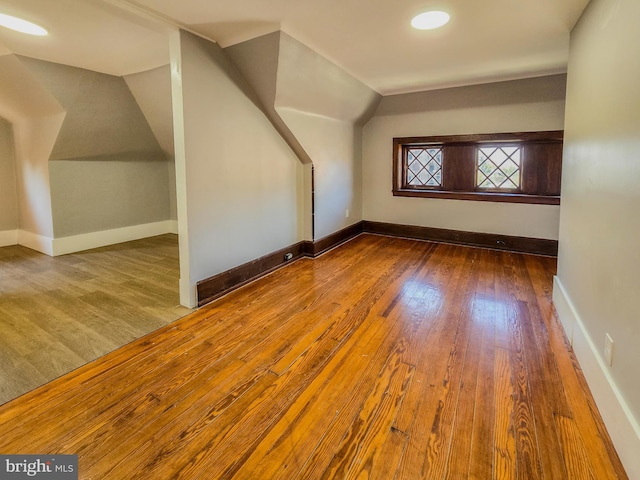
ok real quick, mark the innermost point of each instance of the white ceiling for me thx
(485, 41)
(91, 34)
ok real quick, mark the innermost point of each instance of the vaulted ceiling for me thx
(485, 41)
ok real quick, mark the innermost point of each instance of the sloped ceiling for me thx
(310, 83)
(21, 94)
(102, 119)
(152, 91)
(485, 41)
(286, 74)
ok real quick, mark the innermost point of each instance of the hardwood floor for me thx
(383, 359)
(57, 314)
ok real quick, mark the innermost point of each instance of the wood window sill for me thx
(480, 196)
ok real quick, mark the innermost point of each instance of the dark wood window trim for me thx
(541, 167)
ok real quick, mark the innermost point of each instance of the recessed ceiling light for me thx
(20, 25)
(430, 20)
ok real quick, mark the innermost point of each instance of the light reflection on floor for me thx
(485, 308)
(420, 294)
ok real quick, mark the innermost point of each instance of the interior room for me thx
(88, 162)
(293, 239)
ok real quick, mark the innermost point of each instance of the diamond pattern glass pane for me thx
(499, 168)
(424, 167)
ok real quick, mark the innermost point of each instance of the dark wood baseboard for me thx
(330, 241)
(536, 246)
(213, 287)
(223, 283)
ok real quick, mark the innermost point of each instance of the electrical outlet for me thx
(346, 213)
(608, 350)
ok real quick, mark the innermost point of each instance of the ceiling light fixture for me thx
(20, 25)
(430, 20)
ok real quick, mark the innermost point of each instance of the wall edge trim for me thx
(225, 282)
(36, 242)
(323, 245)
(8, 238)
(536, 246)
(622, 426)
(87, 241)
(173, 226)
(216, 286)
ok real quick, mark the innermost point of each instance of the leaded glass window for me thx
(499, 168)
(424, 167)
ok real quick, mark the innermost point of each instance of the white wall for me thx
(319, 109)
(8, 193)
(337, 166)
(36, 117)
(515, 106)
(34, 141)
(324, 106)
(85, 161)
(152, 91)
(106, 169)
(599, 257)
(134, 188)
(239, 198)
(258, 62)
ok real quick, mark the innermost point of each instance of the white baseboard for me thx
(188, 294)
(87, 241)
(621, 424)
(36, 242)
(8, 237)
(564, 307)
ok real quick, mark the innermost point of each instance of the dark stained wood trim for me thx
(307, 248)
(398, 165)
(541, 167)
(543, 136)
(536, 246)
(214, 287)
(480, 196)
(223, 283)
(335, 239)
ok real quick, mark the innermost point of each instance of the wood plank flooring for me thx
(383, 359)
(57, 314)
